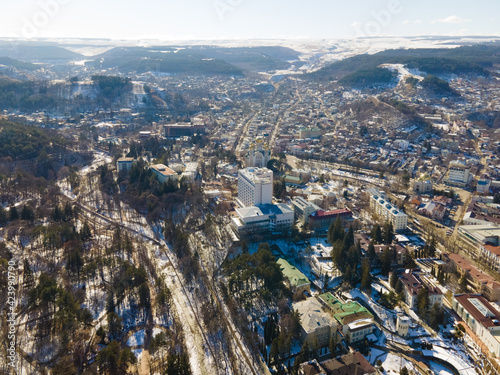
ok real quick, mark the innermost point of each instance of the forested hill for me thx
(23, 142)
(470, 59)
(140, 60)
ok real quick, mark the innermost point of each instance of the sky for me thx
(246, 19)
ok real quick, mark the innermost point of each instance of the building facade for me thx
(163, 173)
(263, 218)
(315, 324)
(124, 164)
(258, 154)
(322, 219)
(355, 321)
(385, 210)
(481, 317)
(303, 209)
(458, 174)
(413, 285)
(296, 280)
(255, 186)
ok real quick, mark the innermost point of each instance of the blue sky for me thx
(236, 19)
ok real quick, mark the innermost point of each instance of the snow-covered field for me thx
(137, 338)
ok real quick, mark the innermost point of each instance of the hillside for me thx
(37, 52)
(463, 60)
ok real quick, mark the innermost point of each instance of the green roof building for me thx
(356, 320)
(296, 280)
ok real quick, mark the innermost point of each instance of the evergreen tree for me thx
(386, 261)
(388, 232)
(27, 213)
(409, 262)
(377, 234)
(3, 216)
(85, 232)
(68, 212)
(394, 280)
(422, 301)
(336, 231)
(399, 287)
(371, 251)
(13, 214)
(463, 283)
(365, 275)
(57, 215)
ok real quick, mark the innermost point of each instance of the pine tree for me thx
(388, 233)
(377, 234)
(463, 284)
(85, 232)
(371, 251)
(365, 275)
(3, 216)
(27, 213)
(13, 214)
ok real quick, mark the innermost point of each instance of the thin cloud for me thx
(452, 19)
(406, 22)
(418, 22)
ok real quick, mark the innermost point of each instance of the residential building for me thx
(312, 132)
(303, 209)
(458, 174)
(255, 186)
(163, 173)
(413, 285)
(296, 280)
(311, 368)
(483, 185)
(350, 363)
(387, 212)
(124, 164)
(491, 255)
(322, 219)
(356, 321)
(433, 210)
(479, 281)
(182, 129)
(315, 323)
(481, 317)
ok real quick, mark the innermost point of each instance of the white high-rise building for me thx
(458, 174)
(255, 186)
(386, 211)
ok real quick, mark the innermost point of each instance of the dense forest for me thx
(462, 60)
(142, 60)
(367, 77)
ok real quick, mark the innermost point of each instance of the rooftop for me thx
(344, 313)
(321, 214)
(294, 276)
(163, 169)
(264, 210)
(482, 311)
(312, 315)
